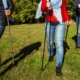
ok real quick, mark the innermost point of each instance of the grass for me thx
(27, 43)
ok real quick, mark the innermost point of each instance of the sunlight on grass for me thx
(27, 44)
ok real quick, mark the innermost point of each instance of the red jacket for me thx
(50, 17)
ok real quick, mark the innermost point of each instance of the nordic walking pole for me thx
(44, 44)
(10, 40)
(44, 47)
(66, 32)
(66, 38)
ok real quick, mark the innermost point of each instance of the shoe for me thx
(50, 58)
(58, 71)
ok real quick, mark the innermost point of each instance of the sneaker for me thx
(50, 58)
(58, 71)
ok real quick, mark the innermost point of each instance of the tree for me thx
(70, 8)
(25, 10)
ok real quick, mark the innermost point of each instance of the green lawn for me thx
(27, 43)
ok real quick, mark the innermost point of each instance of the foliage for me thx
(25, 10)
(70, 8)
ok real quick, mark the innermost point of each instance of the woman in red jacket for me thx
(56, 18)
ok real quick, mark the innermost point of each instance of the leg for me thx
(78, 31)
(50, 40)
(59, 33)
(1, 30)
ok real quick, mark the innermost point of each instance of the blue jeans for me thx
(78, 30)
(58, 32)
(1, 30)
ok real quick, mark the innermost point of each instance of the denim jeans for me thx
(78, 30)
(56, 33)
(1, 30)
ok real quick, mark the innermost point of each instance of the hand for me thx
(68, 23)
(7, 12)
(78, 5)
(48, 5)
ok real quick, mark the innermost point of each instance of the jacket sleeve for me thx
(43, 6)
(75, 4)
(11, 5)
(64, 11)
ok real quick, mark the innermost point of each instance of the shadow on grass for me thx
(21, 55)
(75, 39)
(66, 48)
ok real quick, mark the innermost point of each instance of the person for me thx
(4, 13)
(76, 7)
(55, 20)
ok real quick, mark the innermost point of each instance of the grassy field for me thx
(27, 43)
